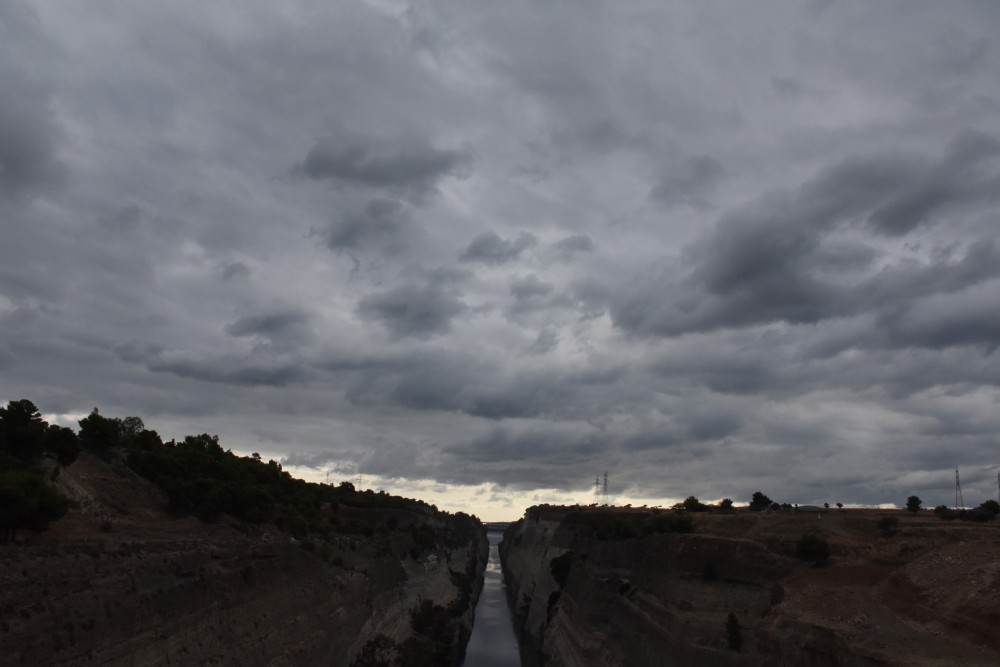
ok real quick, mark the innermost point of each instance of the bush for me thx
(27, 501)
(888, 524)
(813, 549)
(379, 651)
(913, 504)
(758, 502)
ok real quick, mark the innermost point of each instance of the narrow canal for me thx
(493, 643)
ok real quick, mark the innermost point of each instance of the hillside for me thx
(127, 577)
(590, 590)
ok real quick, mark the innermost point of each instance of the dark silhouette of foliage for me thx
(27, 501)
(813, 549)
(726, 505)
(692, 504)
(25, 436)
(62, 443)
(987, 511)
(434, 644)
(913, 504)
(100, 434)
(759, 502)
(617, 528)
(888, 525)
(379, 651)
(22, 430)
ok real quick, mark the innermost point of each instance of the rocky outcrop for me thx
(598, 587)
(119, 582)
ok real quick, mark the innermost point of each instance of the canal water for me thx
(493, 643)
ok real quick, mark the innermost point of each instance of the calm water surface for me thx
(493, 643)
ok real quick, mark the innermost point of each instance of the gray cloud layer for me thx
(709, 252)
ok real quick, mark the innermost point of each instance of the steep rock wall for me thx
(117, 582)
(666, 599)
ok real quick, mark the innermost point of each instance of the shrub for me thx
(27, 501)
(379, 651)
(758, 502)
(813, 549)
(913, 504)
(888, 524)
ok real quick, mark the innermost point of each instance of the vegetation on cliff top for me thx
(26, 498)
(199, 477)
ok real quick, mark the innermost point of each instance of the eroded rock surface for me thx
(119, 582)
(732, 591)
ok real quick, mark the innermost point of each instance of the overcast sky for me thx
(481, 251)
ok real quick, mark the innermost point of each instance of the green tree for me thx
(913, 504)
(726, 504)
(27, 501)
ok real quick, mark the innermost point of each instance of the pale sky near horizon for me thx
(481, 252)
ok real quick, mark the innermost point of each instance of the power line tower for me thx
(604, 490)
(597, 489)
(959, 503)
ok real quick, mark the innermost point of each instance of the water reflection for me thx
(493, 643)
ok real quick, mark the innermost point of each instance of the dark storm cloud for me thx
(460, 382)
(946, 320)
(501, 445)
(409, 167)
(531, 294)
(968, 173)
(704, 263)
(272, 325)
(575, 243)
(572, 245)
(122, 220)
(230, 371)
(379, 224)
(222, 369)
(690, 182)
(28, 132)
(780, 260)
(490, 248)
(546, 341)
(233, 270)
(413, 310)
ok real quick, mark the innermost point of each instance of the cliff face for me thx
(118, 582)
(732, 593)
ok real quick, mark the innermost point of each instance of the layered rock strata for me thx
(589, 590)
(118, 582)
